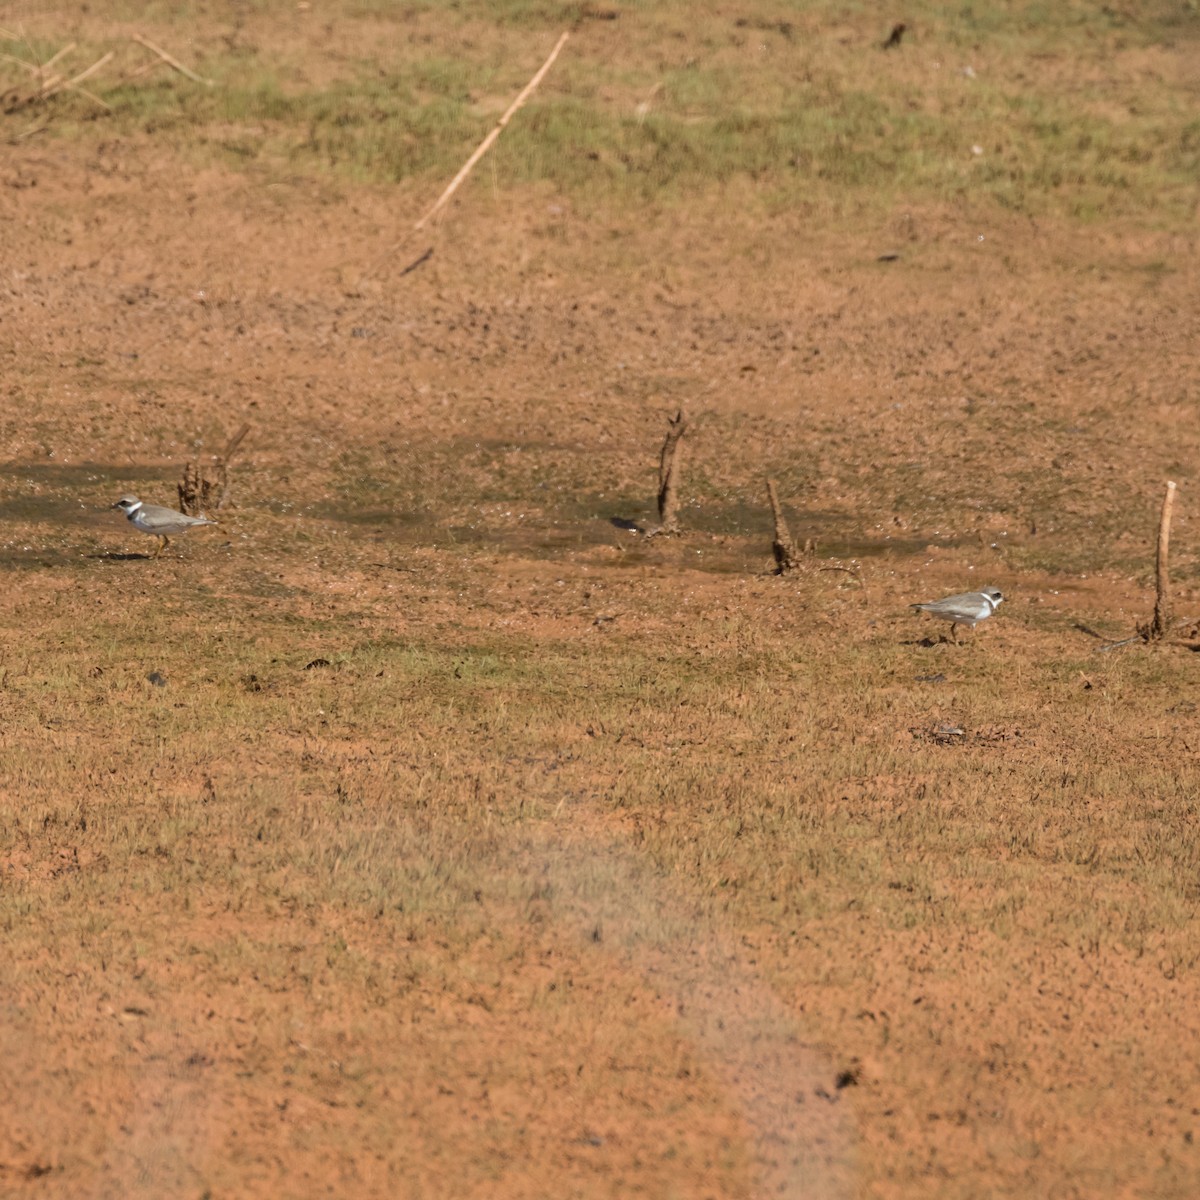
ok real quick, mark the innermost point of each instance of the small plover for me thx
(156, 520)
(964, 608)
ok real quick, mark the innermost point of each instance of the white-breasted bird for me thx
(158, 521)
(963, 608)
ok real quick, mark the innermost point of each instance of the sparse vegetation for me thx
(426, 831)
(1031, 112)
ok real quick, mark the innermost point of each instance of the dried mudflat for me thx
(465, 842)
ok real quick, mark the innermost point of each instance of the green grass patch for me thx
(809, 113)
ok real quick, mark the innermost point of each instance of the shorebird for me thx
(963, 608)
(158, 521)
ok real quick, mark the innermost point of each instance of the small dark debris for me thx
(131, 1010)
(412, 266)
(317, 662)
(894, 37)
(938, 678)
(597, 935)
(890, 257)
(96, 672)
(251, 683)
(155, 678)
(37, 1170)
(848, 1078)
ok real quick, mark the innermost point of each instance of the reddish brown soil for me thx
(1005, 400)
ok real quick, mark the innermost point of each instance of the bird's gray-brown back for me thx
(166, 520)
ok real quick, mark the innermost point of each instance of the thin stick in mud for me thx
(1162, 584)
(787, 557)
(670, 470)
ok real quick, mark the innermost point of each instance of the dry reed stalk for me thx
(73, 83)
(39, 69)
(51, 83)
(170, 60)
(486, 144)
(52, 60)
(138, 72)
(1158, 627)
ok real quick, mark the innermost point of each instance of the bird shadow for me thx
(112, 556)
(626, 524)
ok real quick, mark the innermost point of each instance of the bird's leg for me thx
(162, 545)
(954, 631)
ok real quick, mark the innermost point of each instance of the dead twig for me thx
(52, 60)
(1157, 629)
(205, 490)
(73, 83)
(467, 167)
(412, 266)
(51, 83)
(486, 144)
(234, 442)
(1160, 627)
(31, 132)
(787, 557)
(151, 65)
(170, 60)
(39, 69)
(670, 470)
(104, 104)
(855, 571)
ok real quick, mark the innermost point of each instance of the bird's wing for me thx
(157, 516)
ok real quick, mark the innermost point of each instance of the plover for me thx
(964, 608)
(156, 520)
